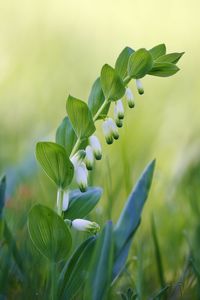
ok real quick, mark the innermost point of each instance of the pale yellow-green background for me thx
(49, 49)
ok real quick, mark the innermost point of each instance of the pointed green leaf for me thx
(100, 270)
(2, 193)
(129, 219)
(170, 58)
(74, 273)
(96, 99)
(49, 233)
(122, 62)
(55, 162)
(80, 204)
(65, 135)
(112, 85)
(158, 51)
(140, 63)
(163, 69)
(80, 117)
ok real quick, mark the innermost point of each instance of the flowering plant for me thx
(88, 271)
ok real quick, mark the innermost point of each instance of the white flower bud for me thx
(119, 110)
(96, 146)
(107, 131)
(78, 158)
(84, 225)
(65, 201)
(139, 86)
(130, 98)
(81, 175)
(114, 129)
(89, 158)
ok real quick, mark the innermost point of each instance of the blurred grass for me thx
(49, 49)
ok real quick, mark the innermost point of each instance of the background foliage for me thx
(50, 49)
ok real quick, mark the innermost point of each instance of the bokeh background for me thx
(49, 49)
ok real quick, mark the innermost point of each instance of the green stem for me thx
(75, 148)
(126, 80)
(100, 110)
(78, 142)
(60, 194)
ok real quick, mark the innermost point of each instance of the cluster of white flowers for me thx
(83, 161)
(109, 126)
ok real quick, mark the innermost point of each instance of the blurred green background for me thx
(49, 49)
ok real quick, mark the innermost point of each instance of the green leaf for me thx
(2, 193)
(100, 270)
(49, 233)
(170, 58)
(122, 62)
(158, 51)
(82, 203)
(163, 69)
(140, 63)
(65, 135)
(129, 219)
(112, 85)
(55, 162)
(74, 273)
(96, 99)
(80, 117)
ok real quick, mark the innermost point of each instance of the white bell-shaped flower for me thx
(107, 131)
(78, 158)
(119, 110)
(96, 146)
(114, 129)
(139, 86)
(89, 158)
(85, 225)
(130, 98)
(118, 123)
(81, 174)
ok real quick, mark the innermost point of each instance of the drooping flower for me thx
(113, 128)
(78, 158)
(139, 86)
(96, 146)
(89, 158)
(85, 225)
(119, 110)
(107, 131)
(130, 98)
(81, 174)
(119, 123)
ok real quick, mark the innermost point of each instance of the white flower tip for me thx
(139, 86)
(89, 158)
(85, 225)
(81, 174)
(119, 123)
(96, 146)
(119, 109)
